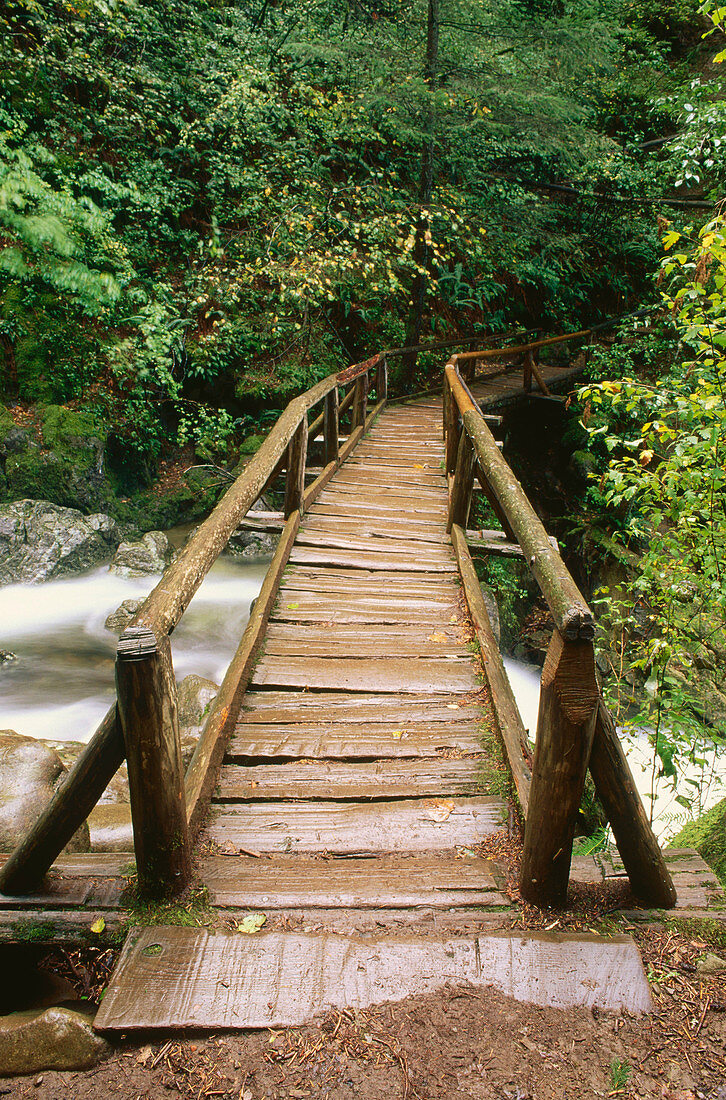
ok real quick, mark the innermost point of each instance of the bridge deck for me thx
(362, 731)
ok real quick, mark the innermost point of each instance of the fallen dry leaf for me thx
(441, 809)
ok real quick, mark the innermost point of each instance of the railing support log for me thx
(568, 706)
(527, 371)
(147, 706)
(331, 426)
(463, 484)
(360, 401)
(640, 852)
(570, 613)
(296, 458)
(71, 804)
(451, 428)
(382, 381)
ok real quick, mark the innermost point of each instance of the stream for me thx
(62, 682)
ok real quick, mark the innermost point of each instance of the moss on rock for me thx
(708, 836)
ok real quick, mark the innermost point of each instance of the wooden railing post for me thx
(331, 425)
(297, 451)
(568, 706)
(463, 484)
(452, 427)
(640, 852)
(360, 401)
(147, 709)
(527, 378)
(382, 380)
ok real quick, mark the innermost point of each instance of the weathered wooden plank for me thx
(410, 825)
(432, 494)
(425, 674)
(366, 509)
(295, 706)
(330, 640)
(369, 473)
(301, 607)
(327, 740)
(358, 580)
(346, 540)
(346, 781)
(394, 881)
(364, 559)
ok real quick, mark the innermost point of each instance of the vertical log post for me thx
(360, 401)
(527, 379)
(452, 427)
(147, 710)
(568, 706)
(331, 425)
(297, 451)
(640, 852)
(463, 484)
(382, 380)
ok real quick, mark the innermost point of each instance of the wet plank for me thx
(409, 825)
(371, 559)
(350, 741)
(393, 881)
(336, 707)
(380, 640)
(349, 506)
(347, 540)
(348, 781)
(358, 580)
(425, 674)
(342, 607)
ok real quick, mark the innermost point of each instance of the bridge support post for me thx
(527, 370)
(568, 708)
(382, 381)
(147, 709)
(331, 428)
(296, 458)
(360, 401)
(452, 429)
(463, 484)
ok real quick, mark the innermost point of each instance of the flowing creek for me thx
(61, 684)
(668, 815)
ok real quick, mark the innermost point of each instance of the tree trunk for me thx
(421, 252)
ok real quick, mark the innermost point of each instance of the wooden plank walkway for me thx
(359, 736)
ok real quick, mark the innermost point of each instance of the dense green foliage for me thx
(207, 206)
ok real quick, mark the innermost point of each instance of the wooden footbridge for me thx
(365, 739)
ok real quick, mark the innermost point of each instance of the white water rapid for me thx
(62, 682)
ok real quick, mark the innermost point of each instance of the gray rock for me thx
(39, 540)
(710, 964)
(6, 657)
(194, 696)
(248, 543)
(56, 1038)
(119, 619)
(30, 772)
(492, 611)
(151, 554)
(116, 793)
(15, 442)
(111, 828)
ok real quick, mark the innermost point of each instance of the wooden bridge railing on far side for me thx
(574, 728)
(167, 805)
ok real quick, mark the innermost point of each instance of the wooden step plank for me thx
(346, 540)
(350, 741)
(411, 825)
(392, 528)
(315, 607)
(378, 640)
(350, 507)
(425, 674)
(431, 494)
(367, 473)
(337, 707)
(337, 781)
(364, 559)
(393, 881)
(358, 580)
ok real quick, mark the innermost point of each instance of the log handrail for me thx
(142, 726)
(574, 729)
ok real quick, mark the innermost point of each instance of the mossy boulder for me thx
(67, 466)
(708, 836)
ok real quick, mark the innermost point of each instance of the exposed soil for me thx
(460, 1042)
